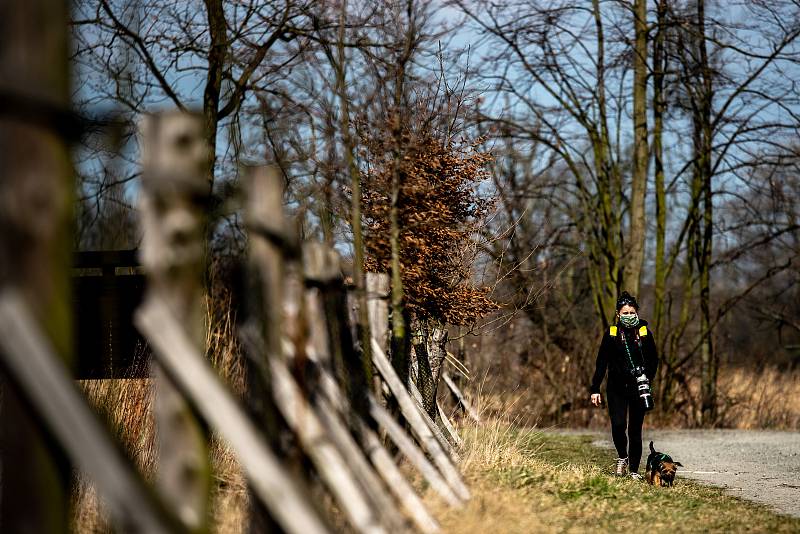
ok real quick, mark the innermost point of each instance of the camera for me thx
(643, 388)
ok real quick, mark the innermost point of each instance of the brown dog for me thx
(661, 468)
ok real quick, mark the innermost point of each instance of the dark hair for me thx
(626, 299)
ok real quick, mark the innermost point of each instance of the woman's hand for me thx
(595, 398)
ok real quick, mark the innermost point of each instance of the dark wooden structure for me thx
(107, 288)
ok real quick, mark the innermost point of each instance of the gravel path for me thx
(762, 466)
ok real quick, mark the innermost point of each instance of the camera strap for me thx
(639, 346)
(627, 348)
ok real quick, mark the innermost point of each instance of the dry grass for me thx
(229, 500)
(132, 413)
(747, 399)
(524, 480)
(127, 407)
(769, 398)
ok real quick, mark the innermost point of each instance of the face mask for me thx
(629, 320)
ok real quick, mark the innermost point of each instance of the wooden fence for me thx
(307, 385)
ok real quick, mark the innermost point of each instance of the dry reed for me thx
(530, 480)
(766, 398)
(127, 407)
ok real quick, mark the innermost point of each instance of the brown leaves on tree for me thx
(439, 208)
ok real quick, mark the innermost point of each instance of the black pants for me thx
(621, 406)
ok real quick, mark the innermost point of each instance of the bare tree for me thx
(136, 56)
(731, 113)
(641, 156)
(560, 88)
(554, 64)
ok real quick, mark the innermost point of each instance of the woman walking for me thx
(628, 354)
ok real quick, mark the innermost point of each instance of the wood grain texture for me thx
(412, 413)
(30, 359)
(273, 485)
(413, 453)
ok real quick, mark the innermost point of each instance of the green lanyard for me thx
(627, 349)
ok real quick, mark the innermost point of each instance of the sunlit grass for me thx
(527, 480)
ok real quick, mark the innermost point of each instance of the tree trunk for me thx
(430, 354)
(708, 358)
(263, 209)
(606, 250)
(659, 105)
(218, 46)
(359, 277)
(400, 341)
(637, 229)
(659, 68)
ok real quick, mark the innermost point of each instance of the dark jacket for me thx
(613, 357)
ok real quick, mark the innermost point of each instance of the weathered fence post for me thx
(323, 274)
(184, 362)
(267, 224)
(35, 306)
(172, 202)
(378, 313)
(263, 206)
(35, 244)
(411, 411)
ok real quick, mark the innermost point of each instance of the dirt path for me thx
(761, 466)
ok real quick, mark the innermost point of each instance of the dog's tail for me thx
(652, 449)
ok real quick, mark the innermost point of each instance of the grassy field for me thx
(522, 480)
(528, 481)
